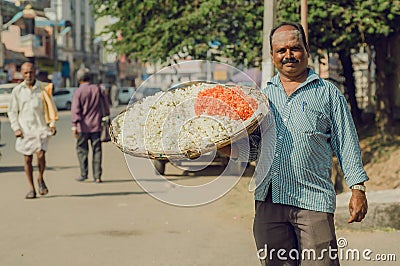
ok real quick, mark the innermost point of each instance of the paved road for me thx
(117, 223)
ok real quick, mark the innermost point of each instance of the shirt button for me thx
(285, 119)
(275, 173)
(280, 137)
(276, 154)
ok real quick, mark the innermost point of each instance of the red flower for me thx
(230, 102)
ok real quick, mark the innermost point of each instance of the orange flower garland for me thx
(230, 102)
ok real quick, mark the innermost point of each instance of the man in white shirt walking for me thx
(32, 116)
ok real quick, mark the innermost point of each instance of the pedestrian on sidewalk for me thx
(86, 115)
(295, 198)
(32, 116)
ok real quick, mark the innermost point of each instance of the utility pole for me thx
(304, 13)
(55, 36)
(1, 41)
(269, 21)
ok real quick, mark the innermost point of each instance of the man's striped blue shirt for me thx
(311, 124)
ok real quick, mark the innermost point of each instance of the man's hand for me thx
(53, 131)
(358, 206)
(18, 134)
(75, 133)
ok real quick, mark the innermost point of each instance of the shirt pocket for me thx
(309, 120)
(36, 101)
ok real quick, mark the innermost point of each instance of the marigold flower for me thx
(224, 101)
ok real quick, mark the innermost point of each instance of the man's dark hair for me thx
(295, 25)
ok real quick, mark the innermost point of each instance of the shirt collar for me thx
(311, 77)
(35, 85)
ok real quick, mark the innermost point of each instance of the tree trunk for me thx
(384, 88)
(350, 86)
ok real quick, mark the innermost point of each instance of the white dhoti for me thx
(33, 142)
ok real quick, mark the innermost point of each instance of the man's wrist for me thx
(360, 187)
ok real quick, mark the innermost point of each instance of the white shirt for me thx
(26, 113)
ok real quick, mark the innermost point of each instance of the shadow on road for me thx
(19, 168)
(216, 171)
(102, 194)
(56, 168)
(118, 180)
(211, 170)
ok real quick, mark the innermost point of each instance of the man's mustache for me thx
(289, 60)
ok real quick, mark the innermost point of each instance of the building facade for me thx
(56, 35)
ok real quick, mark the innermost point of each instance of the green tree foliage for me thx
(154, 30)
(340, 25)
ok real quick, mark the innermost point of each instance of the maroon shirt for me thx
(86, 110)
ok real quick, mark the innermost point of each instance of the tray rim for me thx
(195, 153)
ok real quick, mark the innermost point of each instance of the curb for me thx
(379, 216)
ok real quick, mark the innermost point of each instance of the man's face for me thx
(289, 55)
(28, 72)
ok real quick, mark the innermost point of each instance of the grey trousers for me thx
(287, 235)
(82, 149)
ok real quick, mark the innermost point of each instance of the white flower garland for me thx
(166, 123)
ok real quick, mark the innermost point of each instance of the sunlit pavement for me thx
(117, 222)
